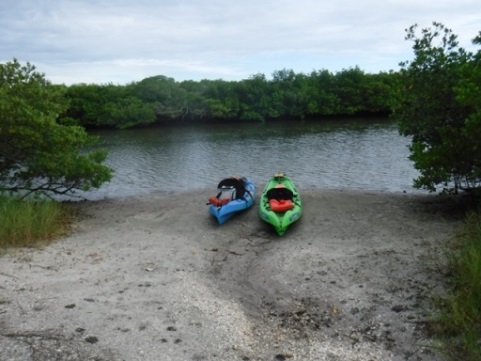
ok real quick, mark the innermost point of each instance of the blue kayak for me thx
(233, 195)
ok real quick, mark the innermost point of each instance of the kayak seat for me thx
(280, 198)
(227, 193)
(238, 184)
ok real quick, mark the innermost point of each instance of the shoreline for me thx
(155, 277)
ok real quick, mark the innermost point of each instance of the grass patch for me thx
(30, 223)
(459, 322)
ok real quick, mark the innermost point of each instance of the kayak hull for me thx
(228, 210)
(280, 220)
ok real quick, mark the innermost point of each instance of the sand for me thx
(155, 277)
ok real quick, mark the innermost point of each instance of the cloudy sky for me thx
(120, 41)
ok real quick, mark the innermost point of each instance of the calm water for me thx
(368, 155)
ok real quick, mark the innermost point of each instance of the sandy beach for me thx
(156, 278)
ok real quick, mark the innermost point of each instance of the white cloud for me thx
(121, 41)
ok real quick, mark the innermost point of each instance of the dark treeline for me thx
(162, 100)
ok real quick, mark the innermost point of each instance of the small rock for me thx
(284, 355)
(92, 339)
(399, 308)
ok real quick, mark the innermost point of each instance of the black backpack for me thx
(280, 193)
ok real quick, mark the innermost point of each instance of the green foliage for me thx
(288, 95)
(164, 95)
(109, 106)
(38, 153)
(437, 104)
(25, 223)
(459, 322)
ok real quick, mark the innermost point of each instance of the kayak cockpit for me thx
(280, 198)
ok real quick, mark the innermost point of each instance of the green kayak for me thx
(280, 203)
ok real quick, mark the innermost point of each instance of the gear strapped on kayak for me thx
(228, 189)
(280, 203)
(234, 195)
(280, 198)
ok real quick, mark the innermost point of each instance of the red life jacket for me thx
(218, 202)
(280, 205)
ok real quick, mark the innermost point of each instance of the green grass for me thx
(30, 223)
(459, 322)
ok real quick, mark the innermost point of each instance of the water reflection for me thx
(350, 154)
